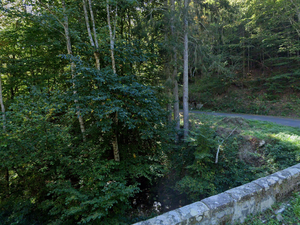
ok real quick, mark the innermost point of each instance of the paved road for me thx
(274, 119)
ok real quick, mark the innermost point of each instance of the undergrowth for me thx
(221, 154)
(251, 95)
(290, 213)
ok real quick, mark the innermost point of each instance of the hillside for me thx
(255, 93)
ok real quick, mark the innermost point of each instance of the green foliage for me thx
(200, 176)
(50, 175)
(204, 177)
(289, 215)
(72, 181)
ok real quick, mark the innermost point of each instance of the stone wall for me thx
(234, 205)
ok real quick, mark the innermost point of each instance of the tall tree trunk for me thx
(2, 106)
(87, 23)
(112, 36)
(176, 99)
(96, 53)
(94, 44)
(244, 54)
(69, 49)
(185, 74)
(4, 129)
(174, 75)
(115, 139)
(169, 108)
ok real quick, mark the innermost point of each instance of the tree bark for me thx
(174, 76)
(112, 37)
(4, 129)
(69, 49)
(169, 108)
(2, 106)
(96, 54)
(93, 41)
(185, 74)
(87, 23)
(65, 25)
(112, 45)
(176, 102)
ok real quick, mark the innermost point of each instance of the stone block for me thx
(192, 214)
(296, 166)
(221, 208)
(295, 178)
(246, 198)
(169, 218)
(196, 213)
(268, 196)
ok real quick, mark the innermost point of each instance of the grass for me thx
(285, 212)
(257, 128)
(281, 141)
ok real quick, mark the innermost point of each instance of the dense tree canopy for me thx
(85, 86)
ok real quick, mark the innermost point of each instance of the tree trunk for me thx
(112, 45)
(185, 74)
(2, 106)
(174, 77)
(111, 37)
(4, 129)
(87, 23)
(176, 103)
(93, 43)
(96, 53)
(169, 109)
(69, 49)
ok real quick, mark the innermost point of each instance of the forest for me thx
(91, 93)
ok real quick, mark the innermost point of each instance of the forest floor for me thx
(251, 94)
(244, 101)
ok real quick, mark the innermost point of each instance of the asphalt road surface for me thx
(274, 119)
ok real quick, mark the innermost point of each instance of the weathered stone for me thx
(191, 214)
(221, 208)
(246, 199)
(285, 186)
(295, 178)
(172, 217)
(194, 214)
(267, 182)
(296, 166)
(269, 188)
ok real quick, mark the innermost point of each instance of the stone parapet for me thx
(236, 204)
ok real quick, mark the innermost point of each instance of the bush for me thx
(55, 177)
(203, 177)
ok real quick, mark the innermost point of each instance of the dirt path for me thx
(274, 119)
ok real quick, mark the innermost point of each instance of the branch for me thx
(52, 13)
(217, 155)
(115, 23)
(93, 23)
